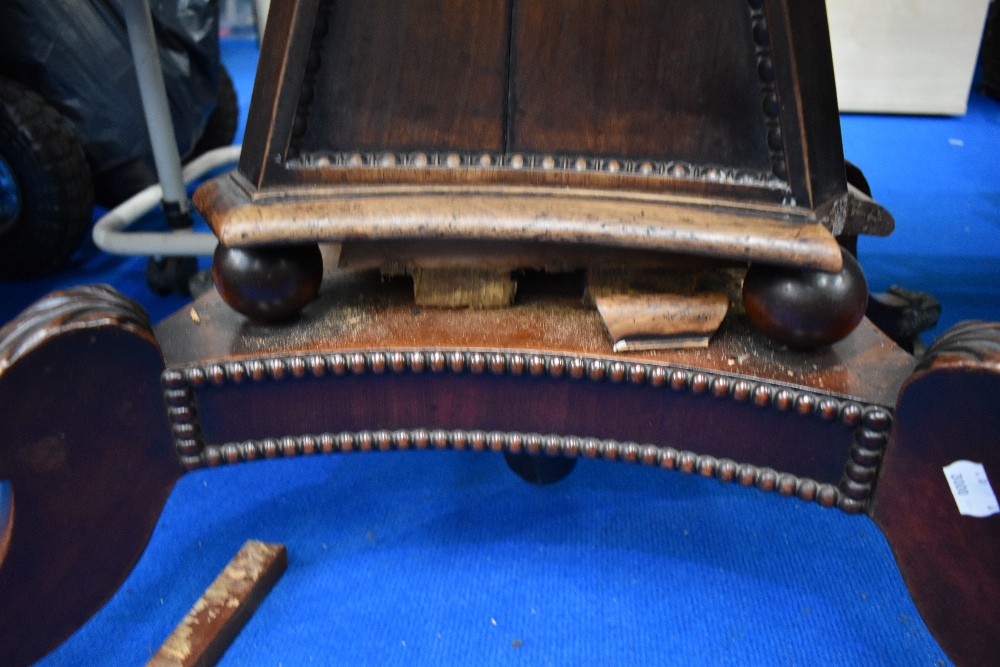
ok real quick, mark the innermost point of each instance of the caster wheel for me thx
(806, 309)
(268, 284)
(171, 275)
(539, 469)
(46, 194)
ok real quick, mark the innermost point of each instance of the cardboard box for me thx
(905, 56)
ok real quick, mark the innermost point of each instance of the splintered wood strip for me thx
(224, 608)
(662, 321)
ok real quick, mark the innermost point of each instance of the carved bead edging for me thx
(541, 162)
(308, 88)
(667, 458)
(870, 424)
(861, 472)
(182, 412)
(760, 393)
(770, 103)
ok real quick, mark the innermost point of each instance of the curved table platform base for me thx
(363, 370)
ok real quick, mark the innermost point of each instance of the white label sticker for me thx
(971, 488)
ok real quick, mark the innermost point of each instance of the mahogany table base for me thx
(102, 415)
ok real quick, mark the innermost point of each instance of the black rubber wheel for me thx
(221, 126)
(46, 194)
(171, 275)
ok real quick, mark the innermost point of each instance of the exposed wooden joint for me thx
(625, 280)
(463, 288)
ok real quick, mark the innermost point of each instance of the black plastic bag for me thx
(75, 54)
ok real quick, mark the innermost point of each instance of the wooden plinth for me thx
(365, 368)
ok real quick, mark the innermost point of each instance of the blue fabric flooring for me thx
(448, 558)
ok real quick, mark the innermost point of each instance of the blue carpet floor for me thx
(448, 558)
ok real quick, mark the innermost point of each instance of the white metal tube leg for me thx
(142, 41)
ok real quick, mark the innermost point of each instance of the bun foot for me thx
(268, 284)
(804, 308)
(539, 469)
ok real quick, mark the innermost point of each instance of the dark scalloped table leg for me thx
(949, 410)
(85, 445)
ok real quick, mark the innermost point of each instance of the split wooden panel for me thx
(642, 322)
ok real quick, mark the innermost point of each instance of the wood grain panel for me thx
(419, 74)
(638, 78)
(86, 447)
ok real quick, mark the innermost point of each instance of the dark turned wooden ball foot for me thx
(803, 308)
(539, 468)
(268, 284)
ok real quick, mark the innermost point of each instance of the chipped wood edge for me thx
(787, 237)
(661, 321)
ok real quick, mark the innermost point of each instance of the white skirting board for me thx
(905, 56)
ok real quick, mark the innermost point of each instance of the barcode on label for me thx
(971, 489)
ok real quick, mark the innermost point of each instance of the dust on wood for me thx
(216, 618)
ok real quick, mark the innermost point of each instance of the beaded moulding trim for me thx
(870, 424)
(545, 163)
(770, 104)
